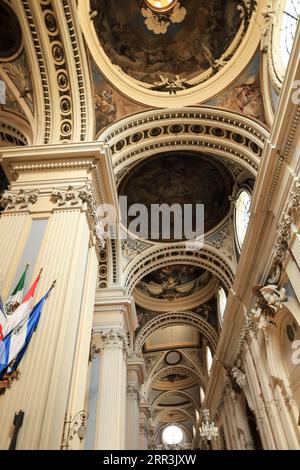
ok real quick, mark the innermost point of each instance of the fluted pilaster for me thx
(111, 409)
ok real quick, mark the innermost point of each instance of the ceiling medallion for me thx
(160, 14)
(173, 358)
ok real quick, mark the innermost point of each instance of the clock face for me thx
(290, 16)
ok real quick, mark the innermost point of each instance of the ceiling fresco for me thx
(244, 95)
(186, 49)
(174, 282)
(110, 105)
(177, 274)
(180, 178)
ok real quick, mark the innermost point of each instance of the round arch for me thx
(231, 136)
(180, 410)
(14, 130)
(206, 256)
(174, 319)
(174, 393)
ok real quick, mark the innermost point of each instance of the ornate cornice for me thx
(16, 169)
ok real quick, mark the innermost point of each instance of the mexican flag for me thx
(23, 310)
(15, 299)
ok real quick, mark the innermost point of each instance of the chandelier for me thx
(159, 14)
(208, 430)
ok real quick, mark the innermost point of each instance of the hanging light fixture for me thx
(161, 6)
(208, 430)
(160, 14)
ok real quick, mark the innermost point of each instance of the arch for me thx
(172, 393)
(174, 319)
(231, 136)
(207, 257)
(14, 130)
(181, 410)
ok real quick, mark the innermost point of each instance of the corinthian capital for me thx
(114, 339)
(19, 200)
(132, 392)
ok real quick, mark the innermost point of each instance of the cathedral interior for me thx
(151, 340)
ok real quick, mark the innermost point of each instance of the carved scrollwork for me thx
(294, 200)
(239, 377)
(18, 200)
(284, 231)
(269, 301)
(130, 250)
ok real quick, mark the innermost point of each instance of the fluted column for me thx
(63, 185)
(262, 419)
(132, 418)
(136, 373)
(80, 369)
(229, 408)
(267, 394)
(111, 409)
(243, 425)
(14, 229)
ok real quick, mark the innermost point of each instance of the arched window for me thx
(202, 395)
(222, 301)
(209, 359)
(288, 26)
(242, 215)
(284, 31)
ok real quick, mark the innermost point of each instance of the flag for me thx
(23, 310)
(3, 319)
(14, 345)
(15, 299)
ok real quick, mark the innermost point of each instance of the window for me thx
(202, 395)
(209, 359)
(172, 435)
(286, 19)
(288, 26)
(222, 301)
(242, 215)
